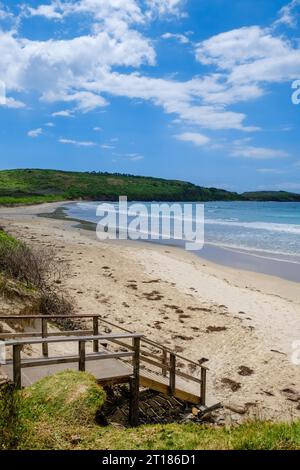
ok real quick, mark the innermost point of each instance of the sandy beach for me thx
(243, 322)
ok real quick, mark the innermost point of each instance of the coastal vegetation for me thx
(33, 186)
(62, 412)
(32, 272)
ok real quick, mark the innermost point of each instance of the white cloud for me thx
(35, 132)
(288, 15)
(179, 37)
(63, 113)
(195, 138)
(51, 11)
(107, 146)
(82, 70)
(50, 124)
(251, 55)
(258, 153)
(97, 129)
(10, 102)
(240, 46)
(77, 143)
(4, 12)
(175, 97)
(136, 158)
(85, 100)
(166, 7)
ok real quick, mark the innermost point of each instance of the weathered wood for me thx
(172, 383)
(152, 343)
(133, 402)
(114, 379)
(136, 359)
(95, 333)
(164, 362)
(45, 347)
(153, 383)
(17, 377)
(203, 386)
(154, 363)
(38, 317)
(135, 382)
(36, 362)
(6, 336)
(188, 377)
(66, 339)
(81, 362)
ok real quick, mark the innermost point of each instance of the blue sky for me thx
(198, 90)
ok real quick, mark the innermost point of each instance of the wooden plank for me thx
(81, 352)
(133, 402)
(73, 338)
(172, 382)
(135, 383)
(154, 363)
(39, 317)
(111, 380)
(164, 362)
(17, 377)
(27, 363)
(95, 333)
(44, 335)
(188, 377)
(7, 336)
(203, 386)
(149, 382)
(143, 352)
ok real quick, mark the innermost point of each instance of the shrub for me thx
(38, 268)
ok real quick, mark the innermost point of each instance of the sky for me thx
(198, 90)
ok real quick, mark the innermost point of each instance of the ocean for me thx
(261, 230)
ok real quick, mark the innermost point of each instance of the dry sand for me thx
(244, 323)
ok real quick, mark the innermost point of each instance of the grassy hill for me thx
(35, 186)
(276, 196)
(60, 412)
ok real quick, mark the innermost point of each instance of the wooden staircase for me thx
(112, 357)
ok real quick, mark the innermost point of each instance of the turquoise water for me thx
(270, 229)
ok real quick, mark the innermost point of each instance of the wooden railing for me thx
(133, 377)
(166, 361)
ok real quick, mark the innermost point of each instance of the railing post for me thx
(203, 386)
(95, 333)
(134, 382)
(172, 373)
(44, 335)
(165, 362)
(81, 362)
(17, 366)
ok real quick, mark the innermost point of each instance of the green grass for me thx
(33, 186)
(59, 412)
(7, 240)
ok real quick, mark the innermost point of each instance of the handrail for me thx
(154, 343)
(39, 317)
(67, 339)
(93, 315)
(165, 365)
